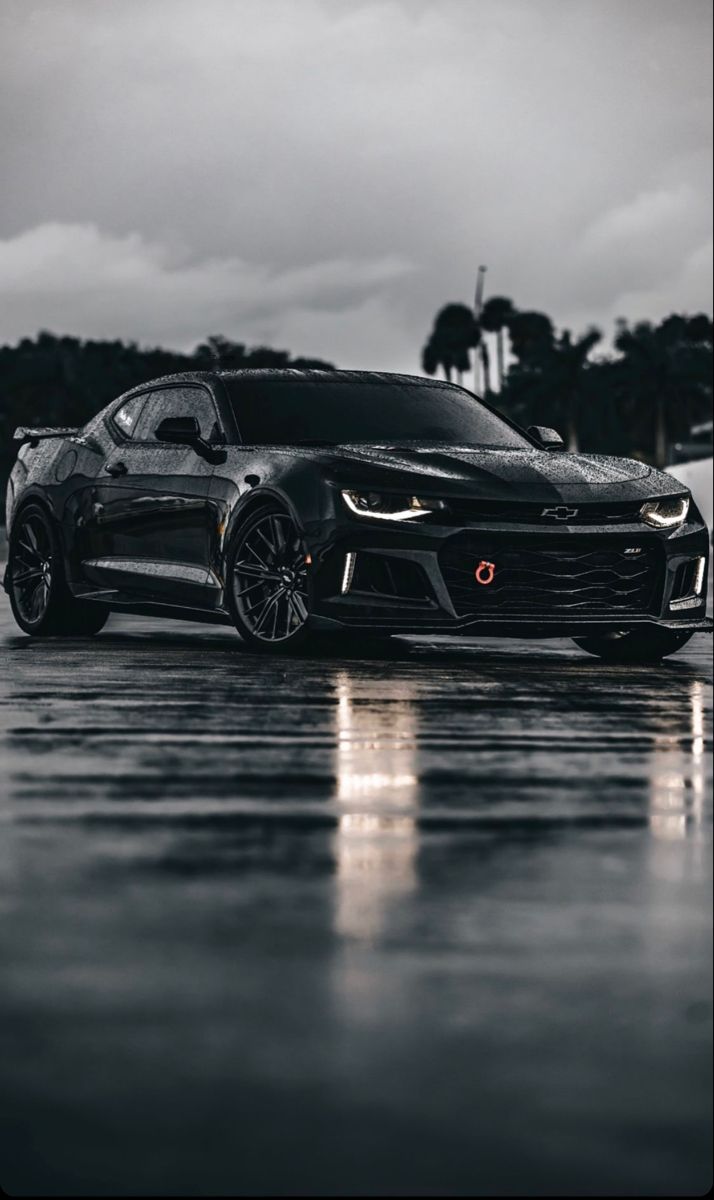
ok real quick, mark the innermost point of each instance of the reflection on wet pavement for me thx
(376, 838)
(431, 921)
(678, 774)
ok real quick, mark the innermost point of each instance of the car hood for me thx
(497, 473)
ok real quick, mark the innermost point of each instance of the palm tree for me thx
(495, 316)
(668, 367)
(455, 332)
(532, 337)
(430, 360)
(570, 361)
(486, 365)
(546, 384)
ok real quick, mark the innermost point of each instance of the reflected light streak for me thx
(669, 828)
(353, 784)
(678, 781)
(376, 839)
(696, 696)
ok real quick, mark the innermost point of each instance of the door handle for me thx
(115, 469)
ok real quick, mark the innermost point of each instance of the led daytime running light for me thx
(416, 509)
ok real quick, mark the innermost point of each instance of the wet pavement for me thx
(434, 921)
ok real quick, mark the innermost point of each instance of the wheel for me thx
(268, 587)
(41, 602)
(635, 645)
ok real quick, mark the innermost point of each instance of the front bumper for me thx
(546, 584)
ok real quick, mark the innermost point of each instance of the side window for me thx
(178, 402)
(128, 415)
(197, 402)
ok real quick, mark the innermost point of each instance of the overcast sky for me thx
(322, 175)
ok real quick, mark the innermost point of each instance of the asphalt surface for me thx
(431, 921)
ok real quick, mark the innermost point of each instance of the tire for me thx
(635, 645)
(267, 583)
(41, 601)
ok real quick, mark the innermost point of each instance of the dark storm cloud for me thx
(324, 175)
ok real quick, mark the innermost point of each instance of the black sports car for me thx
(289, 503)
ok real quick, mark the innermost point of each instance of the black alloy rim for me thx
(32, 569)
(270, 579)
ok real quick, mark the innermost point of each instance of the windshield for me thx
(278, 412)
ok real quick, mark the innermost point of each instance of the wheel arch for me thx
(254, 501)
(40, 500)
(264, 501)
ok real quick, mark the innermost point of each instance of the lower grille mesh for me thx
(543, 581)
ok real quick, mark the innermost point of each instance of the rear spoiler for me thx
(24, 434)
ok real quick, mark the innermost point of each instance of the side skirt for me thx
(150, 608)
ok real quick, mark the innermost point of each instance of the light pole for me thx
(478, 305)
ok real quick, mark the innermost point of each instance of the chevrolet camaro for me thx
(292, 504)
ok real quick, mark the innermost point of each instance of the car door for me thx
(152, 524)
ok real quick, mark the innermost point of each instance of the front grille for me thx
(551, 514)
(542, 580)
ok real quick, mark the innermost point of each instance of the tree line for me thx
(635, 399)
(50, 380)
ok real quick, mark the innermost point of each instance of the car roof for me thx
(316, 375)
(287, 374)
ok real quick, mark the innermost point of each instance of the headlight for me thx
(389, 508)
(665, 514)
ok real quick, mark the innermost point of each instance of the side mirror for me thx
(182, 431)
(549, 439)
(185, 431)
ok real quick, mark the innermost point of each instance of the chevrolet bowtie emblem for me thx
(560, 513)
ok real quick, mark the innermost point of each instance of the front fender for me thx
(246, 481)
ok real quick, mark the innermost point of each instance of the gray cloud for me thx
(325, 174)
(73, 276)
